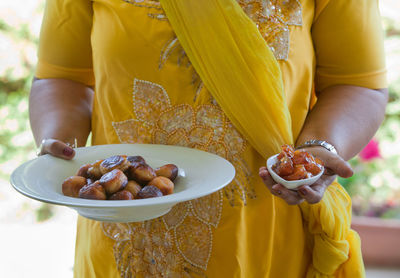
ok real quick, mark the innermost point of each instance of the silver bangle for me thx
(319, 143)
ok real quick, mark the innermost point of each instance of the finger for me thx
(267, 179)
(262, 169)
(312, 194)
(58, 149)
(328, 172)
(270, 182)
(339, 166)
(290, 197)
(333, 163)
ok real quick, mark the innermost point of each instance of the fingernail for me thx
(278, 192)
(68, 151)
(303, 191)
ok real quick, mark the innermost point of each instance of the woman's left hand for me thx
(334, 165)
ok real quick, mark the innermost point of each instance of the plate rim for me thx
(105, 204)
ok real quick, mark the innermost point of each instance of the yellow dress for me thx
(148, 92)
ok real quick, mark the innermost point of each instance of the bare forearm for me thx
(345, 116)
(60, 109)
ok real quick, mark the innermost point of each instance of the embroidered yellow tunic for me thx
(148, 92)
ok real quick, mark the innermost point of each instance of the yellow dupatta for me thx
(238, 68)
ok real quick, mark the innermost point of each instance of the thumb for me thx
(57, 148)
(339, 166)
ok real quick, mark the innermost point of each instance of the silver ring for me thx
(74, 145)
(39, 150)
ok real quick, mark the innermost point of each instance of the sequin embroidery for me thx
(154, 5)
(204, 127)
(180, 242)
(273, 18)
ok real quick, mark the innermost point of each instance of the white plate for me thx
(293, 185)
(200, 173)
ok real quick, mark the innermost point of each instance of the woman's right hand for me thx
(56, 148)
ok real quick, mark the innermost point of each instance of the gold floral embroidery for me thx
(194, 241)
(166, 51)
(173, 48)
(273, 18)
(147, 110)
(201, 207)
(155, 4)
(176, 215)
(132, 131)
(204, 127)
(180, 242)
(150, 4)
(144, 249)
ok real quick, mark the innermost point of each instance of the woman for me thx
(235, 78)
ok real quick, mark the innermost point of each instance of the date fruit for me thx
(169, 171)
(149, 191)
(135, 159)
(114, 162)
(72, 185)
(113, 181)
(94, 171)
(121, 177)
(142, 173)
(93, 191)
(133, 187)
(165, 185)
(122, 195)
(83, 171)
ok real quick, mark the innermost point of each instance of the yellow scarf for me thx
(238, 68)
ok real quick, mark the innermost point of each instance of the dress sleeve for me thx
(348, 41)
(64, 47)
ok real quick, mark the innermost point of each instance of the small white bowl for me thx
(293, 185)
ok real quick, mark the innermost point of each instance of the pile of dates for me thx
(296, 164)
(121, 177)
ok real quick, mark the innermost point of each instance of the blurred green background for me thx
(375, 186)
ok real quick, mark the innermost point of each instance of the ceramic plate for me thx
(200, 173)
